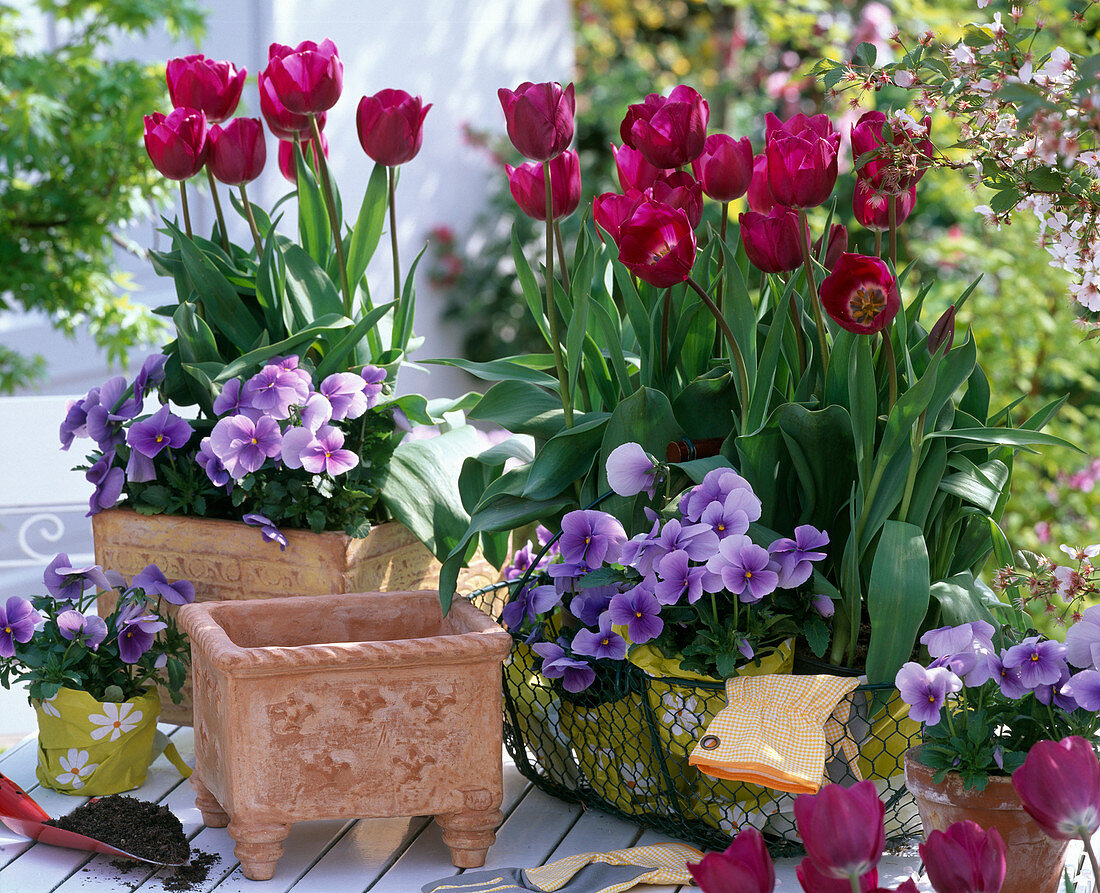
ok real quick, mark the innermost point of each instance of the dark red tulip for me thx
(745, 867)
(633, 170)
(861, 294)
(237, 151)
(679, 189)
(283, 124)
(539, 118)
(943, 332)
(802, 159)
(901, 166)
(308, 78)
(838, 244)
(842, 828)
(528, 186)
(1059, 786)
(658, 244)
(287, 166)
(813, 881)
(872, 209)
(213, 88)
(759, 195)
(177, 142)
(771, 240)
(725, 168)
(964, 859)
(611, 210)
(391, 126)
(669, 131)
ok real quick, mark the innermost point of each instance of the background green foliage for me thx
(73, 167)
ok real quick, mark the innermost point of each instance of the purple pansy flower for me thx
(67, 583)
(631, 470)
(140, 468)
(795, 557)
(1007, 678)
(641, 551)
(375, 380)
(1084, 688)
(152, 581)
(344, 391)
(18, 619)
(268, 530)
(231, 402)
(325, 453)
(604, 644)
(1057, 693)
(108, 481)
(1083, 640)
(151, 373)
(744, 568)
(75, 423)
(211, 464)
(728, 517)
(591, 537)
(639, 611)
(716, 487)
(273, 390)
(137, 628)
(976, 636)
(528, 604)
(243, 445)
(1040, 661)
(823, 605)
(523, 558)
(588, 604)
(679, 576)
(92, 629)
(697, 540)
(925, 690)
(576, 675)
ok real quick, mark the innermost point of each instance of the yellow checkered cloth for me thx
(778, 731)
(668, 860)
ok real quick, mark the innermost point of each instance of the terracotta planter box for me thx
(346, 706)
(228, 560)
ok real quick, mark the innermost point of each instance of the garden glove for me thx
(779, 731)
(662, 863)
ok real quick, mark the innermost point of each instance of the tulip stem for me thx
(856, 888)
(815, 299)
(186, 209)
(218, 209)
(878, 243)
(561, 252)
(891, 366)
(735, 348)
(894, 232)
(722, 272)
(251, 222)
(552, 305)
(666, 317)
(392, 177)
(330, 201)
(1092, 858)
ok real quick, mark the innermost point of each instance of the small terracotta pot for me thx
(1035, 861)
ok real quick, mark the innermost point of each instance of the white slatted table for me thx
(375, 855)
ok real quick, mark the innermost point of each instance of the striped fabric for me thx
(667, 860)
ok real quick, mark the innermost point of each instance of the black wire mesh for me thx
(623, 748)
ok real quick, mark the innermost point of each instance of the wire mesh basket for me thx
(624, 749)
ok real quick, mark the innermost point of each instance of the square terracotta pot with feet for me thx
(346, 706)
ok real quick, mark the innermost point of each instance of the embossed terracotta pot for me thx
(346, 706)
(1035, 861)
(229, 560)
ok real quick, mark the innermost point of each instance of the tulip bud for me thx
(943, 332)
(679, 189)
(213, 88)
(176, 142)
(759, 195)
(669, 132)
(1059, 786)
(633, 170)
(237, 151)
(287, 166)
(861, 294)
(283, 124)
(900, 156)
(612, 210)
(964, 859)
(658, 245)
(528, 186)
(307, 79)
(858, 813)
(725, 168)
(872, 209)
(838, 244)
(391, 126)
(802, 159)
(539, 118)
(771, 240)
(745, 867)
(813, 881)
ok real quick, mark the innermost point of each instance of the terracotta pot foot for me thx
(468, 835)
(213, 816)
(259, 847)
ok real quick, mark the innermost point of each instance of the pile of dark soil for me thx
(136, 826)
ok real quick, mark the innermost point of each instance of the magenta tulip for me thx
(308, 78)
(539, 118)
(744, 867)
(813, 881)
(177, 142)
(771, 240)
(633, 170)
(964, 859)
(838, 244)
(287, 166)
(898, 169)
(1059, 786)
(842, 829)
(611, 210)
(528, 186)
(759, 195)
(861, 294)
(237, 151)
(669, 131)
(872, 209)
(725, 168)
(658, 245)
(391, 126)
(213, 88)
(679, 189)
(802, 159)
(282, 123)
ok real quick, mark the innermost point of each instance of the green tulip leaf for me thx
(897, 598)
(522, 408)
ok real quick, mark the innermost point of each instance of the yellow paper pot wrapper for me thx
(90, 748)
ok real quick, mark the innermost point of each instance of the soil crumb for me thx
(136, 826)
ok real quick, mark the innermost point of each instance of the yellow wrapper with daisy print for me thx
(92, 748)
